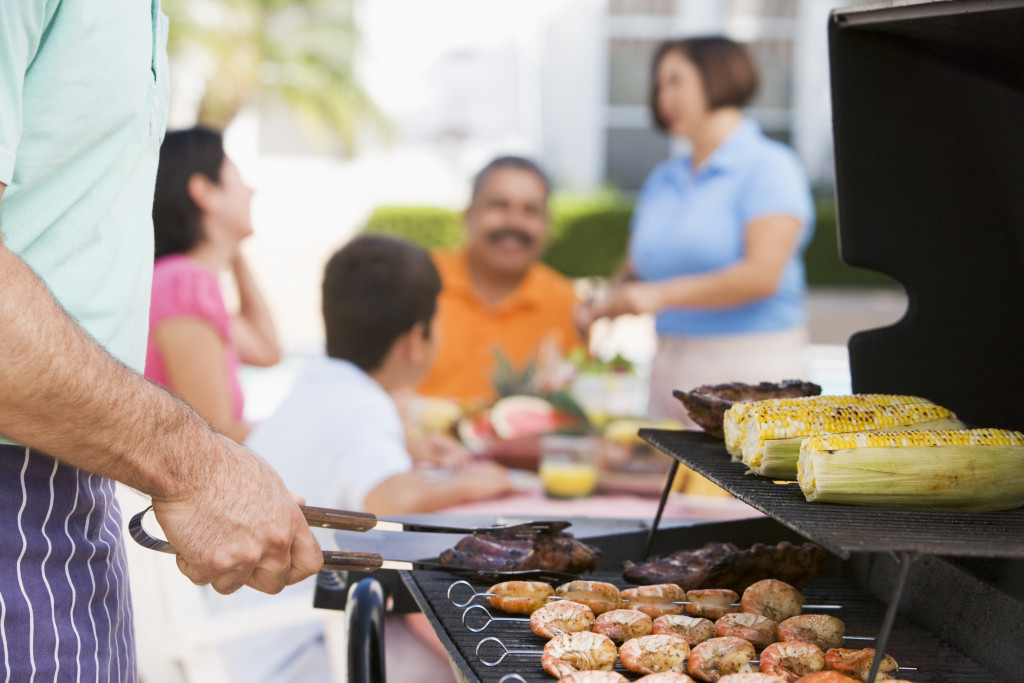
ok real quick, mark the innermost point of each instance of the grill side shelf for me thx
(847, 529)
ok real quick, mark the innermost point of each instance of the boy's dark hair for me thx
(521, 163)
(176, 219)
(374, 290)
(727, 71)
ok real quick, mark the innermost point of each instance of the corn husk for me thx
(979, 469)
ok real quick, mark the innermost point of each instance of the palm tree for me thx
(300, 52)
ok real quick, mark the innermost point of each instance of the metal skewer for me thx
(490, 618)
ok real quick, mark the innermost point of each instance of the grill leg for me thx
(882, 641)
(365, 611)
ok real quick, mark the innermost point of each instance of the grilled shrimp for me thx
(623, 624)
(561, 616)
(857, 663)
(654, 654)
(759, 631)
(599, 596)
(827, 677)
(711, 603)
(519, 597)
(594, 677)
(655, 600)
(751, 678)
(585, 651)
(665, 677)
(821, 629)
(774, 599)
(691, 629)
(717, 657)
(792, 660)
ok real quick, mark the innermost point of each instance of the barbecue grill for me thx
(928, 105)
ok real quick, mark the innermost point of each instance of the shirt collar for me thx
(530, 292)
(730, 153)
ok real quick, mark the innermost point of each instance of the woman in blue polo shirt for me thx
(717, 234)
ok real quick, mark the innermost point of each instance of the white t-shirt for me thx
(335, 437)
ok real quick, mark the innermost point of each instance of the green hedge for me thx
(589, 235)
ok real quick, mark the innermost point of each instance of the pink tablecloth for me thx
(679, 506)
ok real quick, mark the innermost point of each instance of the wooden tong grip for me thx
(356, 562)
(339, 519)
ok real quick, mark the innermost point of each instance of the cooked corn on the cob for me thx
(978, 469)
(733, 422)
(771, 444)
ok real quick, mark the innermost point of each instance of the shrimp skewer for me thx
(665, 677)
(717, 657)
(774, 599)
(824, 631)
(623, 624)
(599, 596)
(655, 600)
(654, 654)
(857, 663)
(791, 660)
(691, 629)
(562, 616)
(516, 597)
(751, 678)
(759, 631)
(570, 652)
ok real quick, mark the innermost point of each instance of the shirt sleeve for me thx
(21, 26)
(777, 186)
(180, 291)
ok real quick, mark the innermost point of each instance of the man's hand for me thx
(438, 450)
(242, 527)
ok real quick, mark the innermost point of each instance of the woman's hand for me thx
(629, 298)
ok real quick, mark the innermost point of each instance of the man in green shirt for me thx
(83, 96)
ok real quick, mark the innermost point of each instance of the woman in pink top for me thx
(201, 216)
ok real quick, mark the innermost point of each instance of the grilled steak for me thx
(707, 404)
(497, 551)
(723, 565)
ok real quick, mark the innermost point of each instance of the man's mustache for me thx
(524, 238)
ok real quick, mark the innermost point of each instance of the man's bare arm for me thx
(226, 511)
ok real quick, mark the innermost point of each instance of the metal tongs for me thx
(345, 520)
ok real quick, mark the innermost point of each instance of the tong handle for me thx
(339, 519)
(356, 562)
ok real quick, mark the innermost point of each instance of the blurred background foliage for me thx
(297, 52)
(589, 234)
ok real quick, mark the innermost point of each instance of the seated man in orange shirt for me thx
(496, 294)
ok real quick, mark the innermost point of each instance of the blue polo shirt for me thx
(688, 222)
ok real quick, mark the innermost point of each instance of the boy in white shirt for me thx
(338, 437)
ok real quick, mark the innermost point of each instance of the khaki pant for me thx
(685, 363)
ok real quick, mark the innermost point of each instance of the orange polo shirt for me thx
(470, 328)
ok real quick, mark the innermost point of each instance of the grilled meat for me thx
(707, 403)
(723, 565)
(498, 551)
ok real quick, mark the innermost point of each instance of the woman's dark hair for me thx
(176, 219)
(727, 71)
(374, 290)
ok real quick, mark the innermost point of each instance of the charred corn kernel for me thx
(796, 422)
(733, 423)
(978, 469)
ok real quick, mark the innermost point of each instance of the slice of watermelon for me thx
(475, 432)
(518, 416)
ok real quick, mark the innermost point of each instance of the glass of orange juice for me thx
(568, 466)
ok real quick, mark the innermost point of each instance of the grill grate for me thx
(862, 614)
(846, 529)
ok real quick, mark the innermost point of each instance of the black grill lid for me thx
(846, 529)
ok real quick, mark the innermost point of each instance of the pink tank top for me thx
(183, 288)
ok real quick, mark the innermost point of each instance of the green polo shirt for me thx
(82, 117)
(81, 121)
